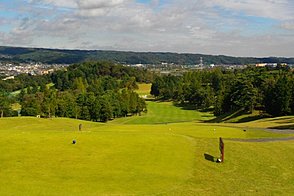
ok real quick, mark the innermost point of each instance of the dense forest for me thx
(50, 56)
(100, 91)
(97, 91)
(223, 91)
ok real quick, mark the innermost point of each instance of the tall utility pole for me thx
(201, 63)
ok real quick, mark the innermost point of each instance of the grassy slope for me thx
(136, 156)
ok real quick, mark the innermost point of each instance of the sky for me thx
(257, 28)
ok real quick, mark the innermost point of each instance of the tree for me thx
(156, 86)
(131, 84)
(31, 106)
(4, 103)
(216, 79)
(292, 96)
(82, 104)
(243, 95)
(278, 97)
(49, 103)
(218, 104)
(21, 95)
(79, 85)
(105, 111)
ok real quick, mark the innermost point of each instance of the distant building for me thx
(260, 64)
(270, 64)
(8, 78)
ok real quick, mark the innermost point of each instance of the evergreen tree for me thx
(4, 104)
(278, 97)
(105, 111)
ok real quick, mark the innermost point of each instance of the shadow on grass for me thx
(226, 117)
(209, 157)
(283, 127)
(185, 106)
(291, 119)
(283, 121)
(249, 118)
(235, 114)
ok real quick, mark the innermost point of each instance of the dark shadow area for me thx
(206, 116)
(249, 118)
(283, 127)
(232, 115)
(209, 157)
(210, 109)
(156, 99)
(185, 106)
(226, 117)
(150, 99)
(282, 119)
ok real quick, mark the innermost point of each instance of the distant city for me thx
(10, 69)
(38, 61)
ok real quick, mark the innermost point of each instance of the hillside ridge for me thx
(51, 56)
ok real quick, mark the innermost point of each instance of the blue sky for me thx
(143, 1)
(229, 27)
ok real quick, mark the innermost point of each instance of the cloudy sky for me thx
(229, 27)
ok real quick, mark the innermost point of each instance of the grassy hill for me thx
(142, 156)
(20, 54)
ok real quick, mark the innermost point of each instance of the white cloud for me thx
(288, 25)
(96, 4)
(195, 26)
(58, 3)
(81, 4)
(276, 9)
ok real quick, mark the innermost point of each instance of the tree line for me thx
(97, 91)
(82, 105)
(223, 91)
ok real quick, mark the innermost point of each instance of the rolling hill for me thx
(20, 54)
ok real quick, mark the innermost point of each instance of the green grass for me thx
(164, 112)
(139, 157)
(16, 93)
(37, 158)
(144, 89)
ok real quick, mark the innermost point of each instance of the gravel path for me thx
(263, 139)
(280, 130)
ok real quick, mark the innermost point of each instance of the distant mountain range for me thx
(50, 56)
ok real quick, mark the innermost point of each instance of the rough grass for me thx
(143, 155)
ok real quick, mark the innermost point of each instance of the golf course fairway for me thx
(135, 156)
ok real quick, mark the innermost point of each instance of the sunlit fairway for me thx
(164, 112)
(152, 154)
